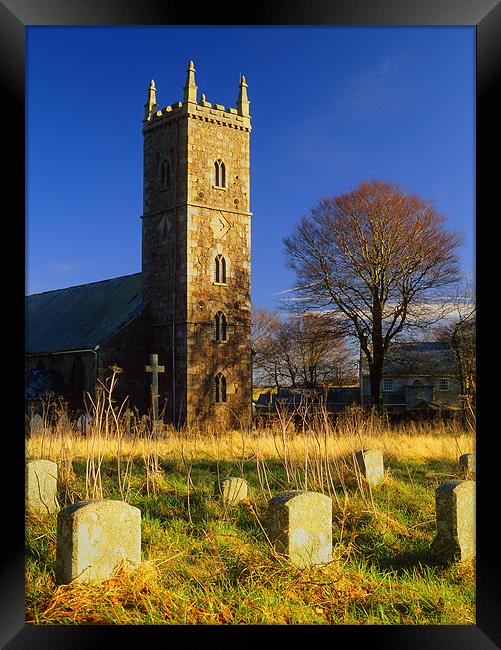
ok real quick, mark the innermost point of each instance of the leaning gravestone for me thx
(370, 464)
(232, 490)
(300, 527)
(41, 486)
(94, 537)
(455, 515)
(468, 462)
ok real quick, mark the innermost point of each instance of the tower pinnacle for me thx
(151, 103)
(190, 88)
(243, 102)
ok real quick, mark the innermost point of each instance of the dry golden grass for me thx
(412, 442)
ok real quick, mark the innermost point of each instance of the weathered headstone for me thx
(128, 418)
(455, 515)
(84, 424)
(63, 423)
(370, 464)
(231, 489)
(36, 424)
(94, 537)
(300, 527)
(468, 462)
(41, 486)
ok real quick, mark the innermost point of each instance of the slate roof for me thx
(81, 317)
(427, 358)
(420, 358)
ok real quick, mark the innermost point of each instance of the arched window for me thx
(219, 388)
(219, 174)
(220, 326)
(220, 270)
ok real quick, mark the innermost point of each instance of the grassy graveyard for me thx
(207, 563)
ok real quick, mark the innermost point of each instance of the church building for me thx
(180, 328)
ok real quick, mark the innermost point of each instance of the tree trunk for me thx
(376, 367)
(375, 376)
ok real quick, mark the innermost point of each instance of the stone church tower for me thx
(196, 227)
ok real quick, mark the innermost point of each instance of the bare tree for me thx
(318, 347)
(264, 325)
(373, 254)
(460, 333)
(305, 349)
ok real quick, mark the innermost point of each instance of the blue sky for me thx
(330, 107)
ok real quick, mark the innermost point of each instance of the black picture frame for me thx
(485, 15)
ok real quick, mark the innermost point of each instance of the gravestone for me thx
(231, 490)
(63, 423)
(94, 537)
(36, 424)
(468, 462)
(128, 418)
(370, 464)
(84, 424)
(41, 486)
(455, 515)
(300, 527)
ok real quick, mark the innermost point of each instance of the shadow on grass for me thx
(430, 471)
(413, 561)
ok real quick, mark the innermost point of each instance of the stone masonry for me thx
(190, 217)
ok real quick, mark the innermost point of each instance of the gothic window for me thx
(219, 174)
(219, 388)
(220, 270)
(220, 326)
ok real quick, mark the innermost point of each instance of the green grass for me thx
(207, 564)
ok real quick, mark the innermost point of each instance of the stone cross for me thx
(154, 368)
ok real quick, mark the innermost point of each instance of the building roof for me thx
(418, 358)
(427, 358)
(81, 317)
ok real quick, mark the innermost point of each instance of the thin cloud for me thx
(373, 93)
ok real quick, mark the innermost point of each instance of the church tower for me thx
(196, 227)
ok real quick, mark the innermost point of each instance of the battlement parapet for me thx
(238, 117)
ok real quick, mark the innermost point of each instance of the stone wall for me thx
(129, 349)
(76, 371)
